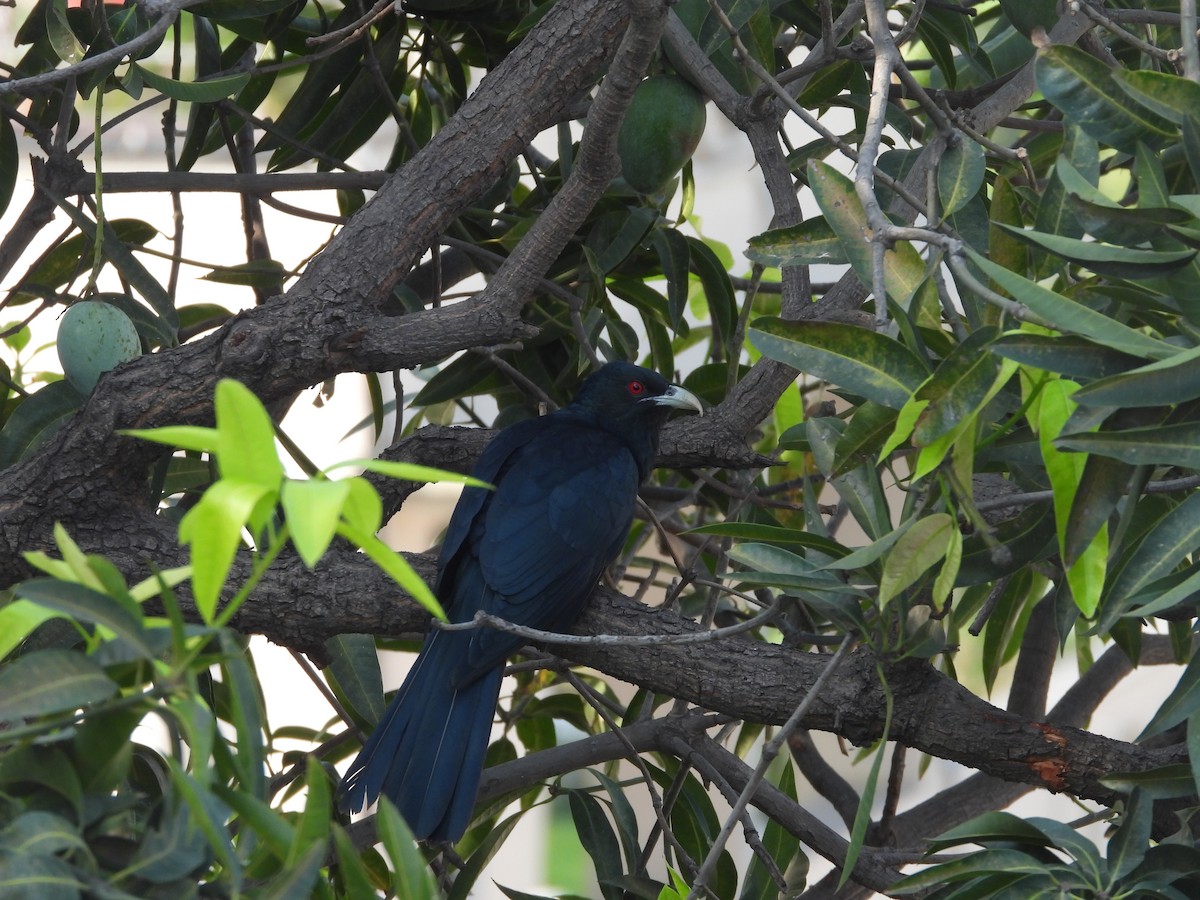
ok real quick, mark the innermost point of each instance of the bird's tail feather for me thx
(426, 754)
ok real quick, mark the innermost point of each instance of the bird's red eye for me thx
(636, 388)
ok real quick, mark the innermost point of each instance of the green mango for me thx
(662, 128)
(94, 337)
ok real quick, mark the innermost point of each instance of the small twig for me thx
(770, 751)
(487, 620)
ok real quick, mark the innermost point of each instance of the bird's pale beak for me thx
(680, 399)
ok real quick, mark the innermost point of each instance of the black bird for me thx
(529, 551)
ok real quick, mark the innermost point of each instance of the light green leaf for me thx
(312, 510)
(18, 620)
(362, 508)
(944, 583)
(185, 437)
(413, 879)
(412, 472)
(246, 449)
(213, 529)
(862, 361)
(1071, 317)
(903, 268)
(394, 565)
(918, 551)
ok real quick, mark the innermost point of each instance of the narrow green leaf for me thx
(920, 549)
(87, 605)
(862, 818)
(1165, 545)
(903, 268)
(1065, 354)
(1163, 445)
(313, 826)
(1162, 383)
(51, 681)
(812, 241)
(674, 255)
(36, 419)
(394, 565)
(1087, 93)
(194, 91)
(186, 437)
(596, 834)
(354, 667)
(865, 362)
(957, 387)
(26, 876)
(412, 472)
(1107, 259)
(960, 174)
(413, 880)
(1071, 317)
(1127, 847)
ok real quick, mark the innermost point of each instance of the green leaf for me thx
(394, 565)
(1169, 96)
(1166, 445)
(193, 91)
(413, 880)
(36, 419)
(1071, 317)
(258, 273)
(213, 529)
(87, 605)
(354, 668)
(1127, 847)
(960, 174)
(1089, 95)
(674, 255)
(1066, 354)
(312, 510)
(51, 681)
(412, 472)
(857, 359)
(903, 268)
(973, 865)
(1107, 259)
(596, 834)
(812, 241)
(186, 437)
(862, 817)
(957, 388)
(921, 548)
(1163, 547)
(18, 620)
(246, 451)
(36, 877)
(1162, 383)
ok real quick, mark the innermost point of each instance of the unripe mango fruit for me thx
(93, 337)
(662, 128)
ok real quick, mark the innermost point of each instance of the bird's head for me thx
(631, 398)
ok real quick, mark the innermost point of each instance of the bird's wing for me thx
(497, 456)
(561, 509)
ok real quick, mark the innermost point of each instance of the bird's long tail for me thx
(426, 754)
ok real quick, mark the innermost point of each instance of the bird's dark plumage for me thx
(529, 551)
